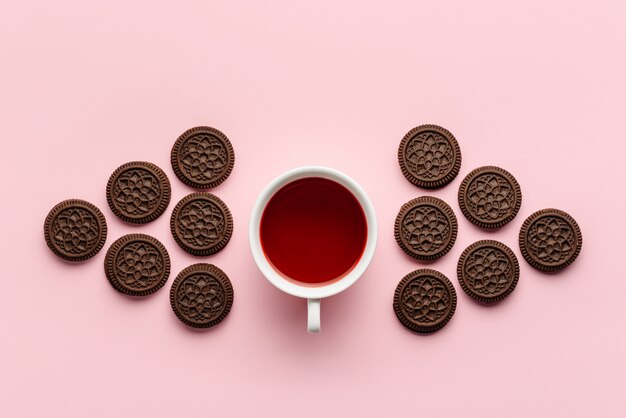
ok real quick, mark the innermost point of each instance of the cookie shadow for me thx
(180, 325)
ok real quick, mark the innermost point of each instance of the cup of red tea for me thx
(313, 233)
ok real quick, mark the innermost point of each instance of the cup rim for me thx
(334, 287)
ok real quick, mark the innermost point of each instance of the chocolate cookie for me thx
(201, 224)
(426, 228)
(429, 156)
(202, 157)
(488, 271)
(75, 230)
(550, 240)
(138, 192)
(201, 295)
(137, 265)
(490, 197)
(424, 301)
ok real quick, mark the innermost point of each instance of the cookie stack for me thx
(138, 192)
(489, 197)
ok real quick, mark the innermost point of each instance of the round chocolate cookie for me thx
(550, 240)
(490, 197)
(202, 157)
(138, 192)
(201, 224)
(429, 156)
(201, 295)
(75, 230)
(424, 301)
(137, 265)
(488, 271)
(426, 228)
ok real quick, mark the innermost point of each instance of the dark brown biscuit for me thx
(426, 228)
(202, 157)
(201, 224)
(138, 192)
(429, 156)
(550, 240)
(424, 301)
(488, 271)
(75, 230)
(137, 265)
(201, 295)
(490, 197)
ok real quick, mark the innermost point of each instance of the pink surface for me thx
(538, 89)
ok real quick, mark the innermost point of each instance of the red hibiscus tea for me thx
(313, 230)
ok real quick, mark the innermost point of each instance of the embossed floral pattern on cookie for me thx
(137, 265)
(138, 192)
(424, 301)
(202, 157)
(429, 156)
(490, 197)
(201, 295)
(201, 224)
(488, 271)
(75, 230)
(550, 239)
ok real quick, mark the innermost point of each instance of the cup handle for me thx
(314, 315)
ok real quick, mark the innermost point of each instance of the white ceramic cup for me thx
(313, 294)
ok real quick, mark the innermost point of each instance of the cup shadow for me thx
(282, 310)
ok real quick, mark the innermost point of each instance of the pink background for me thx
(537, 89)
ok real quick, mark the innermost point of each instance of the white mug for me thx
(313, 294)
